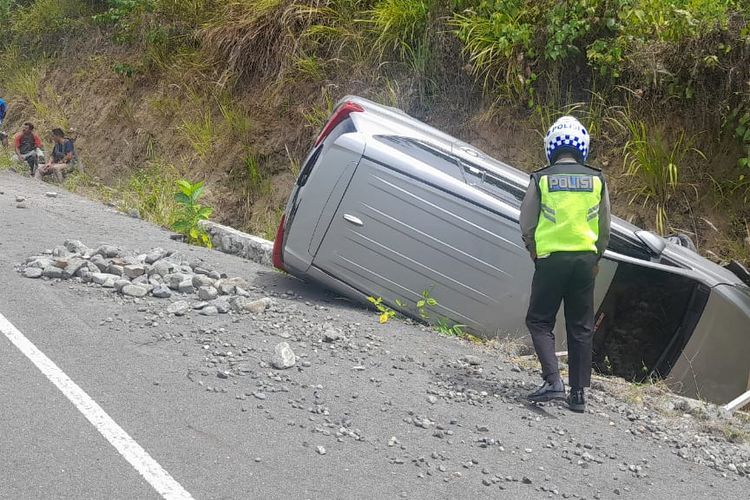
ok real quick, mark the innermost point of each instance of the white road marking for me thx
(146, 466)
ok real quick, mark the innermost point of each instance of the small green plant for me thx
(441, 324)
(423, 303)
(124, 69)
(444, 327)
(191, 212)
(386, 313)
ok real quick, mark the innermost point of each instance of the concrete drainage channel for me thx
(229, 240)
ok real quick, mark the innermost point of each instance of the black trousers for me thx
(564, 277)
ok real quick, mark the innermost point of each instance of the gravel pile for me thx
(157, 273)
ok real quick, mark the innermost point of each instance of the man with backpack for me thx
(27, 143)
(61, 158)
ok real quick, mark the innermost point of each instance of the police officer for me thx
(565, 224)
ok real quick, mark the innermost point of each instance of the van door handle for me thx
(354, 220)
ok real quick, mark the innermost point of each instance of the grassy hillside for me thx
(233, 93)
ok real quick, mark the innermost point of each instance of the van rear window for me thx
(304, 174)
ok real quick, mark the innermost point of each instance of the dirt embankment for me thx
(247, 143)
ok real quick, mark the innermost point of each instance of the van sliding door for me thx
(396, 234)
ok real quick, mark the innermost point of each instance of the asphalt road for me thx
(365, 400)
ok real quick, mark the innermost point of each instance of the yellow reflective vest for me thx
(570, 195)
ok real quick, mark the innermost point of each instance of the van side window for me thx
(424, 153)
(493, 184)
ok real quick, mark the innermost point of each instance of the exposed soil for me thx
(124, 122)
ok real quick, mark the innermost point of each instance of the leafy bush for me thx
(627, 41)
(190, 213)
(498, 42)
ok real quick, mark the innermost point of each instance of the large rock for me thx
(41, 262)
(114, 269)
(186, 286)
(179, 308)
(134, 291)
(228, 286)
(243, 304)
(207, 293)
(162, 268)
(33, 272)
(100, 262)
(134, 270)
(155, 254)
(60, 251)
(89, 267)
(209, 311)
(200, 280)
(141, 280)
(75, 246)
(221, 305)
(52, 272)
(332, 335)
(283, 356)
(110, 283)
(120, 284)
(108, 251)
(173, 280)
(101, 278)
(161, 292)
(74, 265)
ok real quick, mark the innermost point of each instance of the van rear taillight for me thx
(278, 244)
(341, 114)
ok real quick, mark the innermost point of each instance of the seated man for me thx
(27, 143)
(61, 159)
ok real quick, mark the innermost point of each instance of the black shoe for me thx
(576, 400)
(548, 392)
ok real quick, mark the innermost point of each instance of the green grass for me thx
(236, 119)
(6, 163)
(655, 162)
(200, 133)
(399, 25)
(151, 191)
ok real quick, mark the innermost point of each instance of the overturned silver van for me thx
(387, 206)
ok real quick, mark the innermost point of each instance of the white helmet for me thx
(567, 135)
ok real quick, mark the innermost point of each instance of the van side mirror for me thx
(654, 242)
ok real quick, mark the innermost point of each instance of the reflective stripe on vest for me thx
(569, 215)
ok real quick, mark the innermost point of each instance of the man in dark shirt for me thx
(61, 158)
(26, 143)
